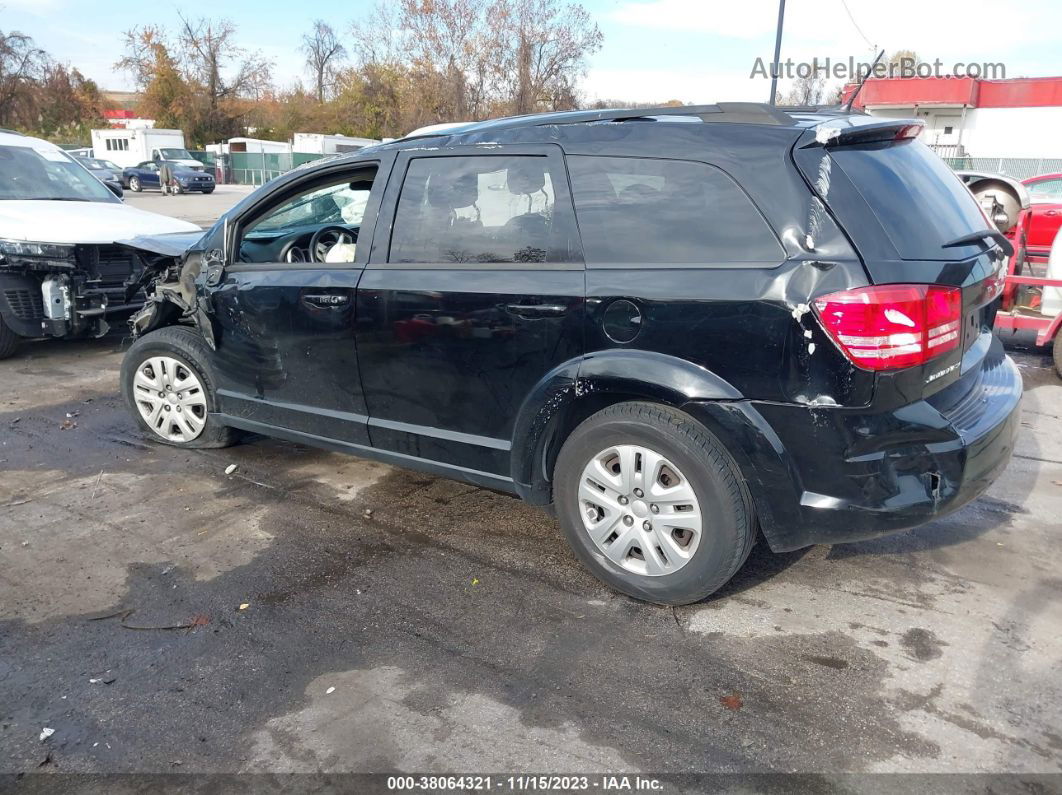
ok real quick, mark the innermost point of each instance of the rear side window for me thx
(1045, 190)
(919, 201)
(475, 209)
(665, 212)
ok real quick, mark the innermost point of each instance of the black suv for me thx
(676, 326)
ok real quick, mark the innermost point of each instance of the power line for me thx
(855, 25)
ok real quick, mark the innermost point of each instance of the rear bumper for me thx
(830, 475)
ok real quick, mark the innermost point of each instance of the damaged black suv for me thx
(679, 327)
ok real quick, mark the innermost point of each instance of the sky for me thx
(698, 51)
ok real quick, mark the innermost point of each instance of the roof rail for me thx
(733, 112)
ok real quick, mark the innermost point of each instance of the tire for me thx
(728, 527)
(1056, 353)
(8, 340)
(186, 347)
(134, 184)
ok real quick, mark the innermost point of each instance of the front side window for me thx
(475, 209)
(28, 172)
(319, 224)
(642, 211)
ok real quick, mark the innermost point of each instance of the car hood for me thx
(82, 222)
(173, 244)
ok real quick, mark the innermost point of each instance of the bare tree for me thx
(806, 91)
(21, 65)
(469, 59)
(323, 56)
(209, 47)
(542, 49)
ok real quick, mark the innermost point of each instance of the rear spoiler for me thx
(863, 130)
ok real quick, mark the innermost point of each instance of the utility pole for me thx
(777, 51)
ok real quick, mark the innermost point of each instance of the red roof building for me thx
(980, 118)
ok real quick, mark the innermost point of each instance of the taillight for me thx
(894, 325)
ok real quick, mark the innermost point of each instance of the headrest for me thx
(462, 192)
(525, 177)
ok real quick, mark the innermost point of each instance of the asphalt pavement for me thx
(311, 611)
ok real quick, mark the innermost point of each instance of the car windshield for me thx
(41, 173)
(175, 154)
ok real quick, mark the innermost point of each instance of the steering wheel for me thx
(291, 252)
(326, 237)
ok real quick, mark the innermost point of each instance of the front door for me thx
(474, 299)
(149, 175)
(284, 312)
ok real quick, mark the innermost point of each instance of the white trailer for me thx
(322, 144)
(130, 147)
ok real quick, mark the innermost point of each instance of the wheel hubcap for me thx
(170, 398)
(640, 510)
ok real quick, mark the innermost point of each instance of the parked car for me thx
(146, 175)
(61, 273)
(106, 172)
(1045, 194)
(751, 321)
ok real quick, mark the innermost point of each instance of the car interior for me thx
(470, 210)
(319, 225)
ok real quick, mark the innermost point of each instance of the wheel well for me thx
(567, 421)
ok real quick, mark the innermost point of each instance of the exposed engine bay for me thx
(55, 290)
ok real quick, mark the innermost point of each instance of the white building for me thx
(255, 145)
(1019, 118)
(322, 144)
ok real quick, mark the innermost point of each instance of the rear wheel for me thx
(134, 184)
(168, 387)
(653, 504)
(8, 340)
(1056, 352)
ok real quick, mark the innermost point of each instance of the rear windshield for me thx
(920, 202)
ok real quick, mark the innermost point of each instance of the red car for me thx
(1045, 195)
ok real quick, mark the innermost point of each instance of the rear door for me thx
(1046, 208)
(474, 298)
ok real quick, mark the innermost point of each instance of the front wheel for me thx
(168, 387)
(1056, 353)
(134, 184)
(8, 340)
(653, 504)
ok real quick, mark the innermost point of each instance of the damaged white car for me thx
(61, 272)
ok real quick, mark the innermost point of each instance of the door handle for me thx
(537, 310)
(327, 300)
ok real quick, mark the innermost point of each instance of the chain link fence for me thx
(1015, 167)
(257, 168)
(251, 168)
